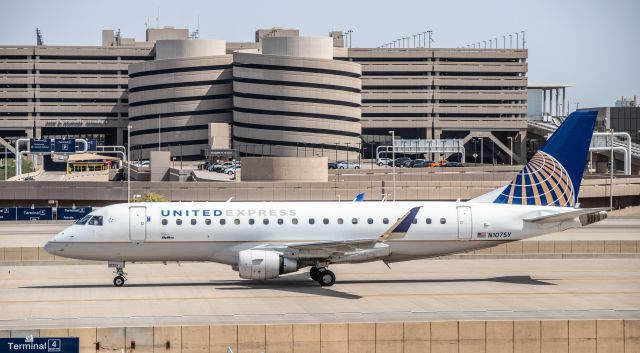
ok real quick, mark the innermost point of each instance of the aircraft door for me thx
(138, 223)
(464, 222)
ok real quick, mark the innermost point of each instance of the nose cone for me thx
(56, 245)
(51, 247)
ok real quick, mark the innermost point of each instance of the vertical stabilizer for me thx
(553, 176)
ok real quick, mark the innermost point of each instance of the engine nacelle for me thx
(264, 264)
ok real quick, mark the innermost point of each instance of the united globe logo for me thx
(542, 182)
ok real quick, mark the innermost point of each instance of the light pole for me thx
(611, 175)
(511, 149)
(128, 163)
(393, 161)
(481, 150)
(158, 132)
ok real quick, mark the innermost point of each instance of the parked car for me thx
(421, 163)
(29, 178)
(453, 164)
(401, 161)
(221, 167)
(348, 165)
(410, 163)
(333, 165)
(383, 161)
(232, 170)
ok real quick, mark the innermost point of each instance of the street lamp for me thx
(611, 175)
(128, 163)
(511, 149)
(393, 161)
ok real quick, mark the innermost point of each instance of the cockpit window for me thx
(95, 221)
(82, 221)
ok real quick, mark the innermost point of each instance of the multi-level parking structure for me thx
(433, 93)
(293, 99)
(51, 91)
(176, 100)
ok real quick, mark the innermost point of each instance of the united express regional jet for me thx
(263, 240)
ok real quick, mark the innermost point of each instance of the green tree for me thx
(152, 197)
(27, 167)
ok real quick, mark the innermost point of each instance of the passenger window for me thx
(95, 221)
(265, 221)
(312, 220)
(428, 220)
(370, 220)
(193, 221)
(443, 221)
(251, 221)
(385, 220)
(325, 221)
(222, 221)
(164, 222)
(415, 221)
(236, 221)
(280, 221)
(207, 221)
(294, 221)
(178, 221)
(354, 221)
(340, 221)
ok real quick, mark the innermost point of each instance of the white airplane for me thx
(263, 240)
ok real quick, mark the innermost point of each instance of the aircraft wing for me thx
(326, 248)
(567, 216)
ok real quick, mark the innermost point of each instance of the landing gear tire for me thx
(313, 273)
(326, 278)
(118, 281)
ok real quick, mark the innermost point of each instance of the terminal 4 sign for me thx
(64, 145)
(40, 345)
(57, 145)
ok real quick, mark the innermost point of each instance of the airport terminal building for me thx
(282, 95)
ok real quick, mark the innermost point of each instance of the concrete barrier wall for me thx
(582, 336)
(527, 247)
(338, 188)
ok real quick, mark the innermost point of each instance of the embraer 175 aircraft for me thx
(263, 240)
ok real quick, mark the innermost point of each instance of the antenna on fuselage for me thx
(229, 200)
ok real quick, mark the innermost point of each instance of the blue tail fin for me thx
(553, 175)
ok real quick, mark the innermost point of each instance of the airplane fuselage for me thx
(218, 231)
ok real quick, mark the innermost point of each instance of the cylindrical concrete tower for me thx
(295, 100)
(182, 100)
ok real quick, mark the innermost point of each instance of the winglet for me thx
(399, 229)
(359, 197)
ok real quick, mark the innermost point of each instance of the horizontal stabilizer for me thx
(567, 216)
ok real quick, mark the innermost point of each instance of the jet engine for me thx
(264, 264)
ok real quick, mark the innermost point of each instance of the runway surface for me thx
(627, 228)
(204, 293)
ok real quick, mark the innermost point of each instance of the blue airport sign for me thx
(40, 345)
(69, 213)
(64, 145)
(7, 213)
(40, 145)
(92, 145)
(34, 214)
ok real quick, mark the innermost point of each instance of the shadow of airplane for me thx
(301, 283)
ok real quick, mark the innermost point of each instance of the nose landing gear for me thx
(119, 279)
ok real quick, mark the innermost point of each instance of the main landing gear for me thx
(323, 276)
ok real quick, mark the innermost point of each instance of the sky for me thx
(590, 44)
